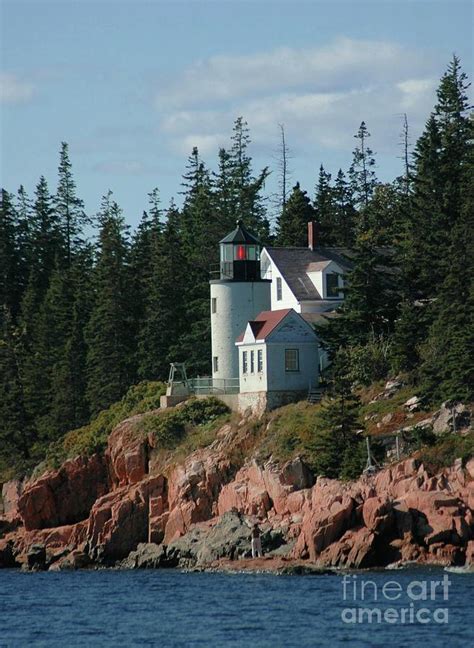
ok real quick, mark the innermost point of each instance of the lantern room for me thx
(240, 255)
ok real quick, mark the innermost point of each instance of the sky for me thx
(133, 86)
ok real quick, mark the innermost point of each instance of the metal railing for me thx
(209, 385)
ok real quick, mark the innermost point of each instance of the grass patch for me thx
(289, 431)
(386, 406)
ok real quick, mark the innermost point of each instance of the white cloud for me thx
(321, 94)
(13, 90)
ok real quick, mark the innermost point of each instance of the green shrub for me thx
(369, 362)
(192, 422)
(446, 450)
(167, 428)
(93, 437)
(198, 411)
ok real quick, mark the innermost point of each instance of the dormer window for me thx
(332, 284)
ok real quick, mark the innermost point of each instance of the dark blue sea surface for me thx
(168, 608)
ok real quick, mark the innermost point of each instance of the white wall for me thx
(237, 303)
(308, 373)
(288, 300)
(257, 381)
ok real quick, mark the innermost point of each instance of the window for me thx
(252, 361)
(215, 364)
(332, 285)
(214, 305)
(260, 360)
(292, 360)
(245, 366)
(279, 289)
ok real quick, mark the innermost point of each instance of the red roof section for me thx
(265, 322)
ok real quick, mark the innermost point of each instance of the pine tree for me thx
(433, 213)
(166, 316)
(246, 188)
(335, 435)
(199, 232)
(47, 244)
(16, 433)
(10, 288)
(324, 209)
(110, 359)
(344, 212)
(447, 369)
(69, 208)
(293, 222)
(361, 172)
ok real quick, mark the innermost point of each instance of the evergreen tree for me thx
(293, 222)
(199, 233)
(246, 188)
(324, 209)
(47, 244)
(110, 360)
(24, 212)
(225, 197)
(16, 434)
(335, 437)
(69, 208)
(433, 213)
(447, 369)
(10, 289)
(361, 172)
(166, 315)
(344, 212)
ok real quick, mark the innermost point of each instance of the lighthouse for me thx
(237, 297)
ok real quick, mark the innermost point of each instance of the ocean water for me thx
(167, 608)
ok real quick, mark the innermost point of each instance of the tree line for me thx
(84, 317)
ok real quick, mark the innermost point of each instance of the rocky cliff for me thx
(127, 507)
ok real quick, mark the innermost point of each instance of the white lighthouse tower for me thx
(237, 297)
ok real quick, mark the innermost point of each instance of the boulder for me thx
(377, 514)
(76, 559)
(127, 453)
(63, 496)
(228, 537)
(413, 404)
(452, 417)
(119, 520)
(355, 550)
(11, 493)
(146, 556)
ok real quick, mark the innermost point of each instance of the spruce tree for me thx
(344, 212)
(246, 187)
(110, 358)
(362, 170)
(293, 223)
(10, 259)
(324, 209)
(166, 317)
(16, 432)
(69, 208)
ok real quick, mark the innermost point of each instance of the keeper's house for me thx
(278, 359)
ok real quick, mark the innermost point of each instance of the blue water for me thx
(167, 608)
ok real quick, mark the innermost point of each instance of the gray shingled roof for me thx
(293, 263)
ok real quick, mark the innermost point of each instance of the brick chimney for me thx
(312, 235)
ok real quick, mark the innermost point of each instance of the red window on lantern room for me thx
(241, 253)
